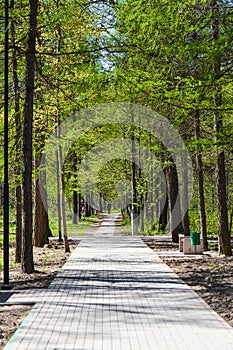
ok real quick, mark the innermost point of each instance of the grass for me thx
(11, 239)
(211, 219)
(79, 229)
(12, 243)
(11, 260)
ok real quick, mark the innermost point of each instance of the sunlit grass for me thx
(11, 239)
(11, 259)
(79, 229)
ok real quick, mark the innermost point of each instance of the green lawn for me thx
(79, 229)
(12, 242)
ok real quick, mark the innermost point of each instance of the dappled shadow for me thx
(42, 281)
(115, 280)
(4, 296)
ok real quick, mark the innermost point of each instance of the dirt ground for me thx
(209, 275)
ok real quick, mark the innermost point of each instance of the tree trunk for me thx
(163, 216)
(100, 203)
(19, 224)
(173, 201)
(79, 206)
(88, 206)
(200, 180)
(141, 196)
(58, 197)
(75, 207)
(134, 209)
(60, 174)
(41, 221)
(185, 201)
(62, 198)
(152, 195)
(142, 220)
(231, 220)
(18, 138)
(27, 249)
(223, 231)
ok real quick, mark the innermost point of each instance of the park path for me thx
(114, 293)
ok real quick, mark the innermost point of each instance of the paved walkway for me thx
(114, 293)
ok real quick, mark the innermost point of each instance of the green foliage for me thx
(167, 63)
(157, 53)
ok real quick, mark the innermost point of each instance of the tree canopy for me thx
(174, 57)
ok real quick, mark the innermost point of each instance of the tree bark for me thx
(60, 174)
(185, 201)
(79, 206)
(231, 221)
(27, 262)
(87, 205)
(58, 197)
(223, 230)
(62, 198)
(163, 216)
(18, 146)
(75, 207)
(100, 203)
(200, 180)
(134, 209)
(76, 196)
(41, 221)
(176, 227)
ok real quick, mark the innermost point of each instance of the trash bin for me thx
(195, 238)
